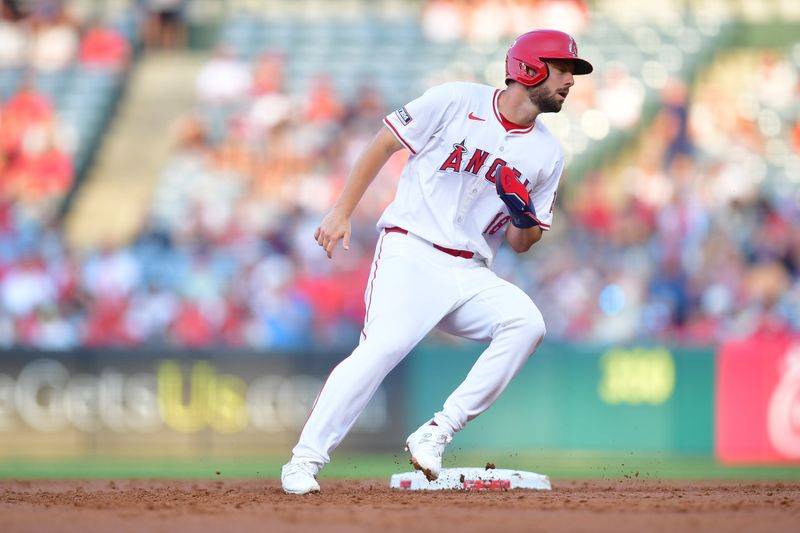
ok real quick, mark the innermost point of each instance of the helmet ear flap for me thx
(533, 73)
(540, 72)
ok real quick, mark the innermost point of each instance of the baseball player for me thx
(481, 170)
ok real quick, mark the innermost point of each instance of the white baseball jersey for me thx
(446, 194)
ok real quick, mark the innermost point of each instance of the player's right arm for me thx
(336, 224)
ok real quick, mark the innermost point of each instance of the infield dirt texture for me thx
(617, 506)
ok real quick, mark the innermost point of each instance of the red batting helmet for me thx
(525, 59)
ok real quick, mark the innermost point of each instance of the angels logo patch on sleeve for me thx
(403, 115)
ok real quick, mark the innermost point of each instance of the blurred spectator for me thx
(192, 327)
(27, 112)
(54, 43)
(488, 22)
(41, 171)
(323, 105)
(105, 324)
(270, 106)
(165, 26)
(778, 81)
(676, 114)
(620, 97)
(222, 88)
(570, 16)
(13, 39)
(111, 274)
(443, 21)
(367, 108)
(27, 107)
(224, 79)
(26, 286)
(35, 167)
(47, 10)
(149, 314)
(104, 46)
(268, 73)
(522, 13)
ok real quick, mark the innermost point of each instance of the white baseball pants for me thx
(412, 288)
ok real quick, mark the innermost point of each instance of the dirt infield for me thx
(610, 505)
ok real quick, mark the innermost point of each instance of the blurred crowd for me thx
(226, 256)
(40, 49)
(686, 239)
(695, 236)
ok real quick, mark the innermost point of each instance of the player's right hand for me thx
(335, 226)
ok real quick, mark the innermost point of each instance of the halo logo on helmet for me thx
(573, 48)
(526, 58)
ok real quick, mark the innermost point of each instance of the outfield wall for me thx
(740, 403)
(174, 403)
(639, 398)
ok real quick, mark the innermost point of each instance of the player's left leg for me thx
(493, 311)
(503, 315)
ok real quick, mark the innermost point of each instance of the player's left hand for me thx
(516, 197)
(335, 226)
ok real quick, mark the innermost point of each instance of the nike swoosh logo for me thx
(473, 117)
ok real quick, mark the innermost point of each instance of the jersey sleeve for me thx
(544, 193)
(416, 122)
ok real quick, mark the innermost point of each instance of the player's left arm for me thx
(521, 239)
(525, 227)
(531, 210)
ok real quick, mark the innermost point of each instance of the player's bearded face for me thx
(545, 99)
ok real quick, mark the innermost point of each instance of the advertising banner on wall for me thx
(758, 401)
(636, 398)
(174, 403)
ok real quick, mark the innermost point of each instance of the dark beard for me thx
(547, 103)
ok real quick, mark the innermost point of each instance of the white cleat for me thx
(299, 478)
(426, 446)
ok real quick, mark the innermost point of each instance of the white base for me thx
(472, 479)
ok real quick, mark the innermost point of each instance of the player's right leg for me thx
(406, 297)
